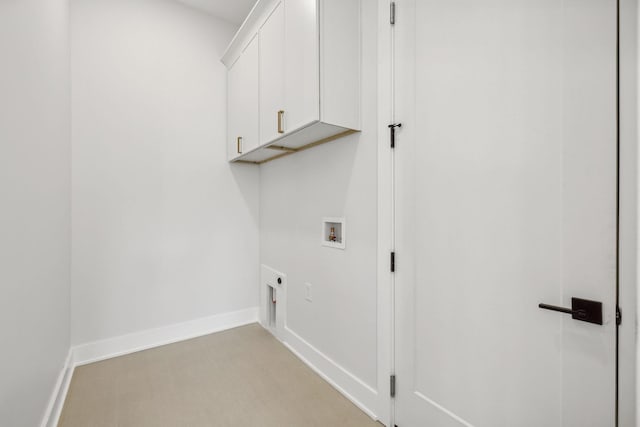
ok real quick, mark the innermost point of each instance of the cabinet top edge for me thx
(247, 30)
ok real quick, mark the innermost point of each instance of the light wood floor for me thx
(240, 377)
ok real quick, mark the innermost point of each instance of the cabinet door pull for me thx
(280, 124)
(238, 144)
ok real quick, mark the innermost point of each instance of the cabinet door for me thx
(233, 112)
(243, 127)
(249, 97)
(302, 81)
(272, 114)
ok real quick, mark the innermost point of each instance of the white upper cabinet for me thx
(242, 102)
(302, 64)
(271, 36)
(308, 77)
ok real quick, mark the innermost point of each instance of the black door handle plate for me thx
(581, 309)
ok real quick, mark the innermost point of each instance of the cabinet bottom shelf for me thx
(311, 136)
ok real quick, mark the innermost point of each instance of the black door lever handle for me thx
(581, 309)
(580, 313)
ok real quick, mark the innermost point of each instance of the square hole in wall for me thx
(334, 232)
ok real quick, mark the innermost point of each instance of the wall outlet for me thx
(307, 292)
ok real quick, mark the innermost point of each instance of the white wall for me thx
(34, 218)
(164, 229)
(337, 179)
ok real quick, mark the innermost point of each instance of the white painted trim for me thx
(59, 393)
(637, 223)
(629, 374)
(443, 410)
(385, 216)
(248, 29)
(137, 341)
(357, 391)
(118, 346)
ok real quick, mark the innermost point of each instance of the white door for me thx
(505, 198)
(243, 132)
(272, 76)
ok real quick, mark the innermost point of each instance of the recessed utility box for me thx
(273, 295)
(334, 232)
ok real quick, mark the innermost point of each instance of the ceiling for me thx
(233, 11)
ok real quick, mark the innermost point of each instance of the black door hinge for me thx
(392, 129)
(618, 316)
(392, 13)
(392, 385)
(393, 262)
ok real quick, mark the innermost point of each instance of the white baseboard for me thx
(361, 394)
(137, 341)
(56, 402)
(130, 343)
(357, 391)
